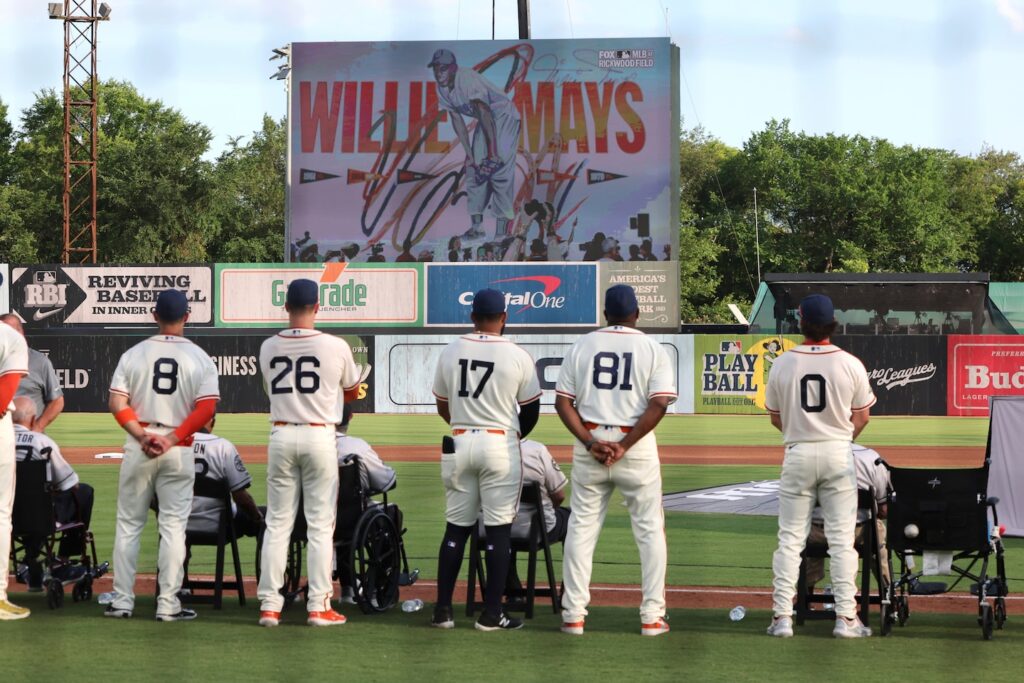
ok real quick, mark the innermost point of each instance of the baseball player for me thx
(819, 397)
(163, 390)
(487, 390)
(41, 384)
(217, 458)
(491, 154)
(614, 387)
(303, 372)
(13, 366)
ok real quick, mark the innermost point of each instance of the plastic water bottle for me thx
(828, 592)
(414, 605)
(737, 613)
(105, 598)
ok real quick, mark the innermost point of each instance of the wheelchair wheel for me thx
(54, 594)
(986, 620)
(888, 616)
(902, 610)
(1000, 615)
(375, 560)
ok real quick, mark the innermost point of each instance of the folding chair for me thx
(536, 540)
(224, 536)
(868, 551)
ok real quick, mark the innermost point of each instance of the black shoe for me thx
(184, 615)
(502, 622)
(117, 612)
(442, 617)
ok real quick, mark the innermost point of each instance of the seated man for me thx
(72, 500)
(539, 466)
(871, 473)
(374, 477)
(218, 459)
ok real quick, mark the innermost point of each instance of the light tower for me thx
(80, 19)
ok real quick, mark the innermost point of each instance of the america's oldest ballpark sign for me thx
(484, 150)
(351, 294)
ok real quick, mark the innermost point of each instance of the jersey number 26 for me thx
(307, 380)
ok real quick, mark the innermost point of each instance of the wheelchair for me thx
(945, 510)
(35, 527)
(369, 551)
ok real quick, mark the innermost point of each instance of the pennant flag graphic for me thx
(412, 176)
(309, 176)
(545, 177)
(594, 177)
(355, 176)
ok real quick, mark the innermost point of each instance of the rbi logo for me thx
(45, 293)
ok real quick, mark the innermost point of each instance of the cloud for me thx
(1011, 11)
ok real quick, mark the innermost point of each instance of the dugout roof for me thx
(883, 303)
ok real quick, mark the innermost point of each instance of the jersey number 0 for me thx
(818, 394)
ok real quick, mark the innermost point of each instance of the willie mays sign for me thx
(53, 295)
(539, 150)
(351, 294)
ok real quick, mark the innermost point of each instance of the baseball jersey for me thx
(870, 474)
(374, 474)
(613, 373)
(13, 356)
(29, 445)
(40, 384)
(303, 373)
(485, 378)
(538, 466)
(814, 388)
(219, 460)
(470, 85)
(164, 377)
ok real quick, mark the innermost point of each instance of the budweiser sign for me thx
(982, 366)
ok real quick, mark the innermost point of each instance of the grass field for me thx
(703, 550)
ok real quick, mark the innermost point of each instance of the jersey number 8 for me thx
(165, 376)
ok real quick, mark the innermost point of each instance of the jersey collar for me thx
(170, 338)
(298, 332)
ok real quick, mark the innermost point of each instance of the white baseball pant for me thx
(7, 471)
(302, 461)
(485, 473)
(638, 476)
(824, 472)
(171, 478)
(497, 190)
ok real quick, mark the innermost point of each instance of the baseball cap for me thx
(609, 244)
(620, 302)
(442, 57)
(302, 292)
(488, 302)
(171, 305)
(817, 309)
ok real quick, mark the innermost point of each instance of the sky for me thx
(932, 73)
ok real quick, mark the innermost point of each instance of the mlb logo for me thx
(733, 346)
(45, 277)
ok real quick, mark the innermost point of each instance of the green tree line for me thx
(825, 203)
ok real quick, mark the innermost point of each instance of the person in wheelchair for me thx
(72, 500)
(375, 476)
(873, 473)
(218, 459)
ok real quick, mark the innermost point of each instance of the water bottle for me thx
(828, 592)
(737, 613)
(414, 605)
(105, 598)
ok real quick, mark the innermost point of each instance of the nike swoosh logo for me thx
(39, 315)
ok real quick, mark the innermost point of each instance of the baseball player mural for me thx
(614, 387)
(491, 152)
(163, 390)
(304, 371)
(819, 397)
(13, 366)
(487, 390)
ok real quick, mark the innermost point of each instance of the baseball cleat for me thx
(656, 628)
(502, 622)
(184, 615)
(269, 618)
(781, 627)
(442, 617)
(10, 611)
(850, 628)
(117, 612)
(573, 628)
(328, 618)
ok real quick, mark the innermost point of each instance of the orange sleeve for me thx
(8, 387)
(204, 410)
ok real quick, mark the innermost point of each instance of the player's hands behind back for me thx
(155, 445)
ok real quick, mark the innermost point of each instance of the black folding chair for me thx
(224, 536)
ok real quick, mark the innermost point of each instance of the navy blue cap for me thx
(171, 305)
(302, 292)
(488, 302)
(442, 57)
(620, 302)
(817, 309)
